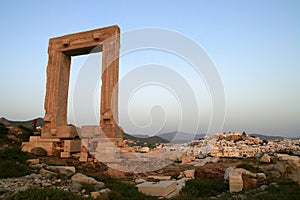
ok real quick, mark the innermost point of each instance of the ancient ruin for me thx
(56, 132)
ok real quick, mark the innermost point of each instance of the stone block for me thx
(33, 139)
(189, 173)
(72, 145)
(66, 131)
(83, 156)
(162, 188)
(65, 154)
(235, 182)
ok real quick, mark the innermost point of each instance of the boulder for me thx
(38, 151)
(65, 170)
(47, 172)
(75, 186)
(274, 174)
(242, 171)
(248, 182)
(280, 168)
(265, 158)
(81, 178)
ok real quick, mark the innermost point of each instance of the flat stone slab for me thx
(162, 188)
(161, 178)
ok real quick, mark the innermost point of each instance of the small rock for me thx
(265, 158)
(139, 180)
(263, 187)
(76, 186)
(242, 197)
(261, 176)
(37, 166)
(38, 151)
(274, 184)
(33, 161)
(46, 184)
(95, 195)
(104, 193)
(106, 190)
(35, 176)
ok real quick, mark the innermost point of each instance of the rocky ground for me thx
(88, 179)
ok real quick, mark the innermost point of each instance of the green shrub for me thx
(249, 167)
(286, 191)
(46, 194)
(124, 191)
(204, 187)
(3, 134)
(26, 134)
(10, 168)
(14, 153)
(12, 162)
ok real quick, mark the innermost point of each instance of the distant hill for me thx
(141, 140)
(27, 124)
(180, 137)
(270, 137)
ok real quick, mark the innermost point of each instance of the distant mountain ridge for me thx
(27, 124)
(173, 137)
(180, 137)
(271, 137)
(149, 140)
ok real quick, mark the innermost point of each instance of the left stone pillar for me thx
(56, 99)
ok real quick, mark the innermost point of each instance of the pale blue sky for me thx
(255, 46)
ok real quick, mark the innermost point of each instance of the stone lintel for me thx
(83, 42)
